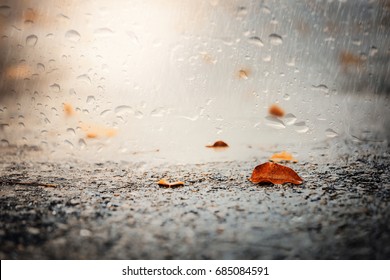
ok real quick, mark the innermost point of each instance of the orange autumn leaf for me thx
(274, 173)
(95, 131)
(18, 72)
(275, 110)
(68, 109)
(166, 184)
(218, 144)
(283, 156)
(91, 135)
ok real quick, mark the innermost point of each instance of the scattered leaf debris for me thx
(34, 184)
(276, 111)
(218, 144)
(282, 156)
(274, 173)
(164, 183)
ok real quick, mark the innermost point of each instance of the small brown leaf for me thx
(218, 144)
(283, 156)
(274, 173)
(164, 183)
(275, 110)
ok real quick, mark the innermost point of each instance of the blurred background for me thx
(157, 81)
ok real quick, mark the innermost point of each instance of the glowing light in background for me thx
(159, 80)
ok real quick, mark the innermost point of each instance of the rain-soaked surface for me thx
(99, 101)
(114, 210)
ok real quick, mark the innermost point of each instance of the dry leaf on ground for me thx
(283, 156)
(218, 144)
(166, 184)
(274, 173)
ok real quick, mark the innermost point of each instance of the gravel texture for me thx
(113, 210)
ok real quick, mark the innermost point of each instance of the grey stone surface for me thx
(115, 210)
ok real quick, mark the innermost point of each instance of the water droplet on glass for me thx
(286, 96)
(82, 143)
(84, 78)
(139, 114)
(290, 119)
(123, 109)
(356, 42)
(322, 88)
(55, 88)
(5, 10)
(72, 35)
(267, 58)
(331, 133)
(256, 41)
(275, 39)
(105, 113)
(90, 99)
(274, 122)
(158, 112)
(291, 62)
(71, 131)
(69, 144)
(4, 143)
(373, 51)
(228, 41)
(103, 32)
(41, 67)
(31, 40)
(265, 10)
(241, 12)
(301, 127)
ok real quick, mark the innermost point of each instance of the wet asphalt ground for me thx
(112, 210)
